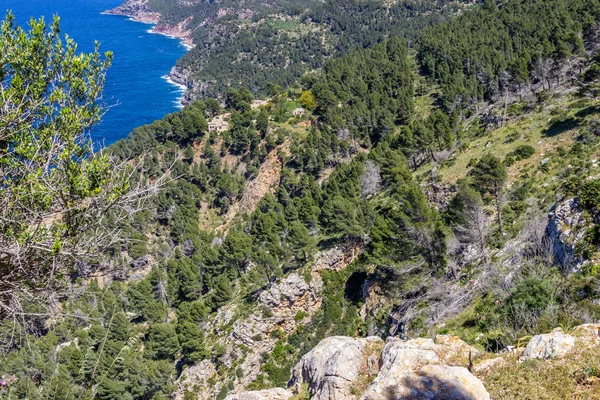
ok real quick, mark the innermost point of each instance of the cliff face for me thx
(179, 31)
(566, 229)
(138, 10)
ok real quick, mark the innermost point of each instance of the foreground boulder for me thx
(411, 370)
(343, 368)
(433, 382)
(551, 345)
(334, 368)
(590, 333)
(269, 394)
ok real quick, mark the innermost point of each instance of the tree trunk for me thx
(499, 209)
(432, 154)
(505, 106)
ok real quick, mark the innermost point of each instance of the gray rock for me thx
(551, 345)
(591, 330)
(588, 334)
(409, 370)
(290, 289)
(269, 394)
(332, 368)
(566, 227)
(397, 362)
(196, 376)
(437, 382)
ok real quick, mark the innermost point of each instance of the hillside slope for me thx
(376, 200)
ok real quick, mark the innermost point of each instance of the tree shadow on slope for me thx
(591, 110)
(561, 126)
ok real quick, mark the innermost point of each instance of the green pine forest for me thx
(436, 135)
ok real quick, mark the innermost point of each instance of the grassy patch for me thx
(545, 129)
(290, 26)
(573, 377)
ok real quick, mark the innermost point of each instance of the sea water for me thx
(137, 89)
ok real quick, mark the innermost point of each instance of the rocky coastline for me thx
(139, 11)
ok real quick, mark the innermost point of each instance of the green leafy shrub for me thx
(528, 301)
(523, 152)
(589, 195)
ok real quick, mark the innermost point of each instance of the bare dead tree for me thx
(476, 228)
(370, 180)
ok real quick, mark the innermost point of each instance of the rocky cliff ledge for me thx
(445, 367)
(344, 368)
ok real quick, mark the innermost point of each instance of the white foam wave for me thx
(180, 90)
(182, 42)
(141, 21)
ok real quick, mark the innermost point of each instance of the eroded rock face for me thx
(334, 366)
(398, 360)
(283, 300)
(550, 345)
(288, 291)
(336, 258)
(196, 376)
(269, 394)
(438, 382)
(341, 368)
(566, 228)
(411, 370)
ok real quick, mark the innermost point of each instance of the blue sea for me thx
(136, 90)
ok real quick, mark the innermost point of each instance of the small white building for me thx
(298, 112)
(218, 124)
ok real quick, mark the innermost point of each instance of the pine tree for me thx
(222, 291)
(489, 176)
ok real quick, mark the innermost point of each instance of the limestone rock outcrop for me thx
(278, 309)
(332, 369)
(550, 345)
(269, 394)
(566, 228)
(416, 369)
(431, 382)
(345, 368)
